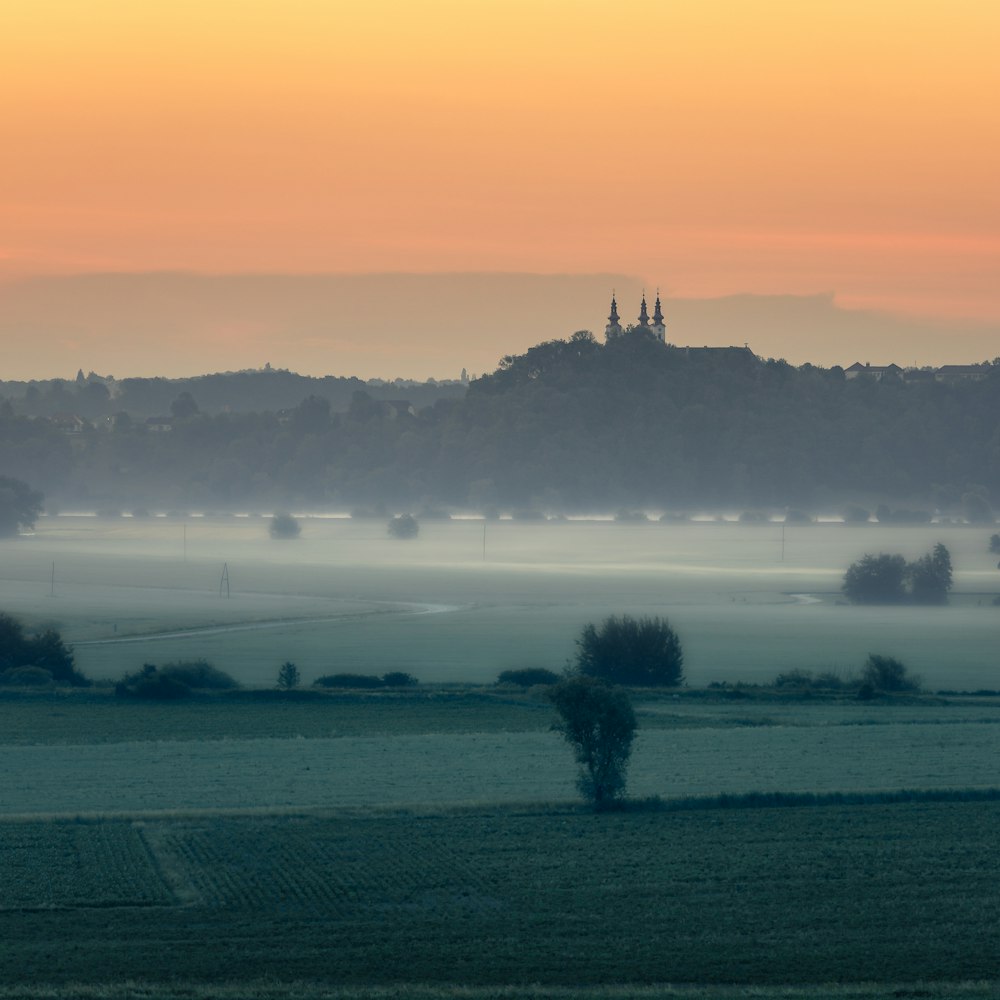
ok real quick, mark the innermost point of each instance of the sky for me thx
(708, 148)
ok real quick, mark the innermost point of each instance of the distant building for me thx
(656, 327)
(952, 373)
(858, 370)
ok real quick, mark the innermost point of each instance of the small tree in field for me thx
(284, 526)
(886, 673)
(404, 526)
(288, 676)
(598, 723)
(637, 651)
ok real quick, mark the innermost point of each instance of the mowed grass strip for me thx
(827, 894)
(100, 717)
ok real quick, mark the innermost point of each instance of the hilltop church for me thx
(655, 329)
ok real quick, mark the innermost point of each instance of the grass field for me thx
(895, 893)
(427, 843)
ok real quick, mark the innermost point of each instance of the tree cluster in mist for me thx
(569, 424)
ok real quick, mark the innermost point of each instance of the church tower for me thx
(659, 329)
(643, 315)
(614, 327)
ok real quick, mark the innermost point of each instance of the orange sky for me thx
(709, 146)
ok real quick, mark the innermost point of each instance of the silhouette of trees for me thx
(889, 579)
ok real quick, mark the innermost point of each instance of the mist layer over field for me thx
(747, 602)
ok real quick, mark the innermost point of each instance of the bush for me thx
(528, 677)
(404, 526)
(753, 517)
(152, 685)
(198, 675)
(885, 673)
(288, 676)
(26, 677)
(284, 526)
(348, 681)
(598, 722)
(45, 650)
(994, 543)
(636, 651)
(174, 680)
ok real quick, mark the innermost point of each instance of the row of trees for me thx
(890, 579)
(567, 424)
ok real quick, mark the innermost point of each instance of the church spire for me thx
(614, 327)
(659, 327)
(643, 315)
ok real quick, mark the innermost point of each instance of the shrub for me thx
(753, 517)
(399, 679)
(152, 685)
(528, 677)
(994, 543)
(348, 681)
(45, 649)
(885, 673)
(404, 526)
(198, 675)
(598, 722)
(288, 676)
(284, 526)
(636, 651)
(26, 677)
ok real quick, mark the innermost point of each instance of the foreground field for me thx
(91, 753)
(489, 897)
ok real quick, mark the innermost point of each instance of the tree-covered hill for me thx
(568, 424)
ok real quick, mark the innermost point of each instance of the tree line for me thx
(569, 424)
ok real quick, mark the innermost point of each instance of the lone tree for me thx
(930, 577)
(404, 526)
(288, 676)
(598, 723)
(20, 506)
(643, 652)
(284, 526)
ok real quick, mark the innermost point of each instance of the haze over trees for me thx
(570, 423)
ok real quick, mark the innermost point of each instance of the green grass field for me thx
(512, 897)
